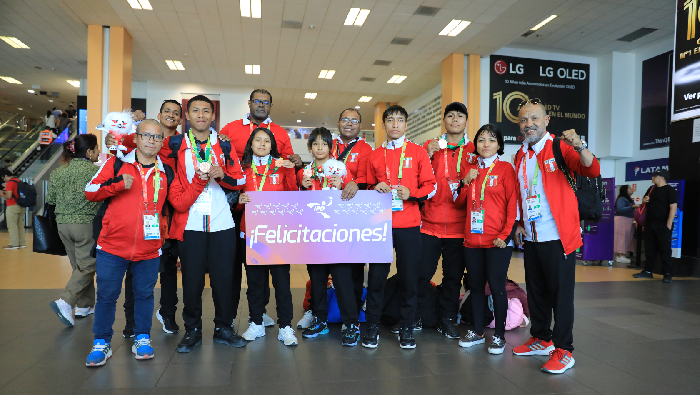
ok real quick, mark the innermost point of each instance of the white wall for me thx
(414, 104)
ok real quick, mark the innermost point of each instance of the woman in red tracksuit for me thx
(265, 171)
(489, 192)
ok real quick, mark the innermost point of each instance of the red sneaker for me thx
(560, 361)
(534, 346)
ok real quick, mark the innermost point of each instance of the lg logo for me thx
(501, 67)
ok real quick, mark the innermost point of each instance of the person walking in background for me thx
(14, 213)
(74, 214)
(63, 122)
(50, 121)
(624, 223)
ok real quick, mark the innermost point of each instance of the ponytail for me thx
(78, 147)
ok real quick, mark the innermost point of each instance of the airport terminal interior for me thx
(622, 74)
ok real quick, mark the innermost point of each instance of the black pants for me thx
(344, 292)
(238, 268)
(407, 243)
(488, 264)
(452, 272)
(199, 251)
(168, 286)
(358, 284)
(550, 277)
(257, 284)
(657, 241)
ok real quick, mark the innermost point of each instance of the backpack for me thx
(26, 194)
(589, 192)
(515, 317)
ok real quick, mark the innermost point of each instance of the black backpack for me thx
(26, 194)
(589, 191)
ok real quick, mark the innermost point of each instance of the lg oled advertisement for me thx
(685, 100)
(656, 116)
(562, 87)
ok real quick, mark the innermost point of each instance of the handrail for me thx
(16, 144)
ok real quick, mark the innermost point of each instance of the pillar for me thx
(473, 94)
(452, 82)
(94, 79)
(119, 69)
(379, 134)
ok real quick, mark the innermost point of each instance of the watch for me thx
(584, 145)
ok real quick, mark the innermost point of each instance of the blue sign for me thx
(677, 234)
(644, 169)
(82, 121)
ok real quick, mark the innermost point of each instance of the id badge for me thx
(396, 202)
(151, 226)
(477, 218)
(203, 204)
(534, 208)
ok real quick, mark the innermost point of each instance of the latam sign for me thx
(643, 170)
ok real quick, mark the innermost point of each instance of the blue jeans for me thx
(109, 275)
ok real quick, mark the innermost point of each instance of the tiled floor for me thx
(631, 337)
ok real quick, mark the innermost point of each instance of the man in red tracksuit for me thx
(403, 169)
(442, 232)
(550, 233)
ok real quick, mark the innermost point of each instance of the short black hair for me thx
(200, 98)
(175, 102)
(6, 172)
(491, 130)
(395, 109)
(350, 109)
(248, 151)
(323, 133)
(263, 91)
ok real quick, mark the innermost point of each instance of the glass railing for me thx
(15, 148)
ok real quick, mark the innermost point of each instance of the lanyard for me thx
(534, 181)
(253, 127)
(403, 157)
(336, 151)
(315, 175)
(459, 162)
(195, 150)
(144, 185)
(483, 186)
(264, 175)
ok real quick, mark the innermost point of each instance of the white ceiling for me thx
(214, 43)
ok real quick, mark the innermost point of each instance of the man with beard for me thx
(550, 233)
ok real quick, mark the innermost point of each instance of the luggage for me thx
(46, 238)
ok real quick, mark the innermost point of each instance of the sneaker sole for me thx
(562, 370)
(372, 346)
(296, 343)
(57, 310)
(407, 347)
(184, 349)
(160, 319)
(323, 332)
(84, 315)
(544, 352)
(256, 336)
(141, 357)
(350, 344)
(447, 335)
(228, 343)
(472, 344)
(497, 351)
(92, 365)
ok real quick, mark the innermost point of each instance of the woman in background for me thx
(624, 226)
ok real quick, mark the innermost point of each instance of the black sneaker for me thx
(668, 278)
(396, 328)
(371, 336)
(129, 328)
(316, 328)
(418, 325)
(447, 327)
(168, 321)
(226, 335)
(406, 338)
(643, 274)
(498, 344)
(351, 335)
(192, 339)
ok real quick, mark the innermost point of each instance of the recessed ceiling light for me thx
(10, 80)
(251, 8)
(14, 42)
(397, 79)
(298, 120)
(30, 90)
(356, 17)
(327, 74)
(252, 69)
(310, 95)
(372, 124)
(20, 108)
(357, 106)
(365, 99)
(306, 104)
(454, 28)
(544, 22)
(50, 101)
(75, 83)
(303, 112)
(140, 4)
(174, 65)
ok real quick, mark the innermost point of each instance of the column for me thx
(119, 69)
(473, 94)
(452, 81)
(94, 79)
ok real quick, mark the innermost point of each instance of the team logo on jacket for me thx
(471, 158)
(493, 181)
(407, 163)
(275, 179)
(353, 157)
(550, 165)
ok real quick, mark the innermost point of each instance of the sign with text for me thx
(316, 227)
(685, 98)
(643, 170)
(562, 87)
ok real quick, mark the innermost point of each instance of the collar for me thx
(540, 144)
(131, 158)
(261, 161)
(212, 136)
(246, 121)
(340, 141)
(484, 163)
(398, 143)
(466, 138)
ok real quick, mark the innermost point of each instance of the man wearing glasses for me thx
(550, 233)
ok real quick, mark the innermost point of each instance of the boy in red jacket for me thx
(403, 169)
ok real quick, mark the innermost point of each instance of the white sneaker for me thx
(64, 312)
(254, 332)
(84, 311)
(623, 259)
(306, 320)
(287, 336)
(267, 320)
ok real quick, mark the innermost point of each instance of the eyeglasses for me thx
(529, 101)
(354, 121)
(147, 136)
(263, 102)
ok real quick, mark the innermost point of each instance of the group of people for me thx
(183, 196)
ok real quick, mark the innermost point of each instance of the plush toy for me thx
(334, 167)
(118, 124)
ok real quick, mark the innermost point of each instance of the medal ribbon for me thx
(264, 175)
(534, 181)
(386, 164)
(195, 150)
(315, 175)
(144, 185)
(483, 187)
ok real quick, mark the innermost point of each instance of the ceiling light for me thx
(30, 91)
(356, 17)
(252, 69)
(19, 108)
(327, 74)
(174, 65)
(365, 99)
(140, 4)
(357, 106)
(251, 8)
(75, 83)
(454, 28)
(298, 120)
(544, 22)
(310, 96)
(50, 101)
(397, 79)
(372, 124)
(10, 80)
(14, 42)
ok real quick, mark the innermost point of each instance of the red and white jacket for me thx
(417, 175)
(441, 216)
(122, 226)
(239, 132)
(561, 197)
(356, 160)
(500, 203)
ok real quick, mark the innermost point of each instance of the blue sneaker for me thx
(316, 328)
(100, 353)
(142, 348)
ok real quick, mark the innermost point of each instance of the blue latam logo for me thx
(643, 170)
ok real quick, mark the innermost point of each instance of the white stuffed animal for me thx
(118, 124)
(334, 167)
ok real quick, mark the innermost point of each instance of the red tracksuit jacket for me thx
(240, 133)
(281, 180)
(355, 160)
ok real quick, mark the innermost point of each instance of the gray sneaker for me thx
(471, 339)
(498, 344)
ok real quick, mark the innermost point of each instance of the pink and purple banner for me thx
(313, 227)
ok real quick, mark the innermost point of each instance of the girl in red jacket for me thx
(265, 171)
(489, 192)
